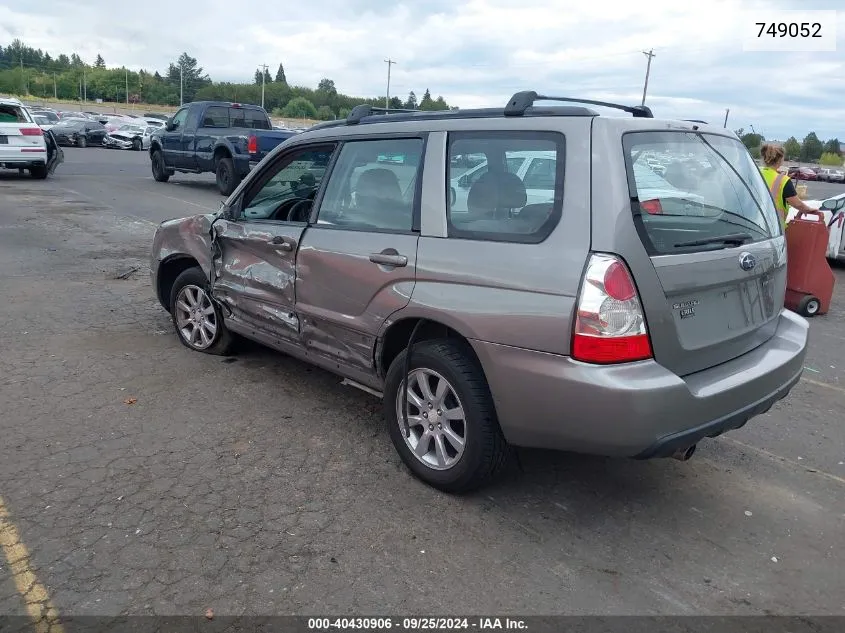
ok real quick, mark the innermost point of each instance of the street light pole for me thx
(181, 83)
(649, 54)
(389, 63)
(263, 77)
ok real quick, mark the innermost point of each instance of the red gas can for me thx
(809, 279)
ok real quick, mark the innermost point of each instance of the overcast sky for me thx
(475, 52)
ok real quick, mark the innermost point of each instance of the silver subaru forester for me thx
(536, 276)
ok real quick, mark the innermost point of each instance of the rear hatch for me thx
(716, 247)
(19, 134)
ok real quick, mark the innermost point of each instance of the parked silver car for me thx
(615, 311)
(130, 136)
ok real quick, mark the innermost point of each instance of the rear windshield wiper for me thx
(736, 239)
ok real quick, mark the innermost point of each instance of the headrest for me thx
(378, 182)
(493, 191)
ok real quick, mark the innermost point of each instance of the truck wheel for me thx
(159, 170)
(39, 172)
(227, 179)
(454, 442)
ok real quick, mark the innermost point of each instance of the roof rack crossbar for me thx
(365, 110)
(521, 101)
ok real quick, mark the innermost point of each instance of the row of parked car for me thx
(824, 174)
(82, 129)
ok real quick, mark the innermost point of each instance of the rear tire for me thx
(809, 306)
(159, 170)
(39, 172)
(227, 178)
(82, 141)
(484, 452)
(191, 290)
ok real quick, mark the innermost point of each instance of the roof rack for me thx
(521, 101)
(365, 110)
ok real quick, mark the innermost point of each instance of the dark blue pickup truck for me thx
(227, 139)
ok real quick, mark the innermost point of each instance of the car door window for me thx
(179, 119)
(372, 186)
(294, 179)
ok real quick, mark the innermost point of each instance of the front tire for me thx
(82, 141)
(227, 178)
(159, 170)
(455, 443)
(196, 317)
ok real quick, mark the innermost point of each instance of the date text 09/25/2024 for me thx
(790, 31)
(417, 624)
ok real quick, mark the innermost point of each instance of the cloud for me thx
(475, 53)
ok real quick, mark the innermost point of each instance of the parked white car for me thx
(25, 145)
(131, 136)
(833, 210)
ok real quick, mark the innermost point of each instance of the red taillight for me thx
(32, 131)
(618, 283)
(252, 145)
(609, 325)
(652, 207)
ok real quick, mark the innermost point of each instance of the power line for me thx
(649, 54)
(389, 63)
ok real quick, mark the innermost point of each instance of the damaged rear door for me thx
(255, 246)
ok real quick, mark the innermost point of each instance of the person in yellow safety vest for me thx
(780, 185)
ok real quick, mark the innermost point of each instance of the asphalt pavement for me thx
(138, 477)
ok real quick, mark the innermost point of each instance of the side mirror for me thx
(169, 126)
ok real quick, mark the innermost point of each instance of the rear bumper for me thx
(23, 160)
(639, 409)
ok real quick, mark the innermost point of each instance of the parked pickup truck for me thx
(228, 139)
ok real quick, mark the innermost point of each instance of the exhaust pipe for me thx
(683, 454)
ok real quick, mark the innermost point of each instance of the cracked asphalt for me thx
(147, 479)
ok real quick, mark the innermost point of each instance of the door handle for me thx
(282, 243)
(387, 259)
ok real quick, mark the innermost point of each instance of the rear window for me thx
(13, 114)
(504, 186)
(695, 192)
(249, 119)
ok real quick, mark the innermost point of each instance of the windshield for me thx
(687, 187)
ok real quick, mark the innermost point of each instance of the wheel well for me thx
(398, 336)
(220, 152)
(168, 271)
(154, 147)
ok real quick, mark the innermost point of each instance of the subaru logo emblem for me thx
(747, 261)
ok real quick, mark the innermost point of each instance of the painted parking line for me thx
(36, 599)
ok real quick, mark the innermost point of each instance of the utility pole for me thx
(55, 90)
(23, 78)
(127, 86)
(181, 83)
(389, 63)
(84, 86)
(727, 112)
(263, 76)
(649, 54)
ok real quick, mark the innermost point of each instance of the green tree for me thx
(396, 103)
(811, 148)
(327, 86)
(427, 102)
(411, 102)
(324, 113)
(751, 140)
(792, 148)
(100, 62)
(299, 108)
(258, 76)
(193, 77)
(832, 146)
(280, 75)
(830, 159)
